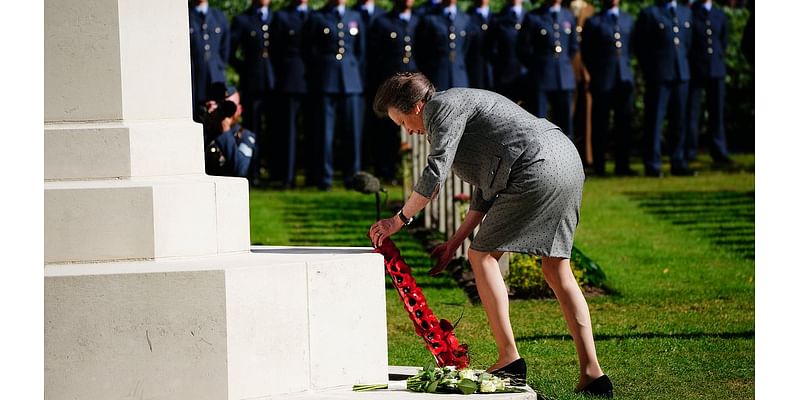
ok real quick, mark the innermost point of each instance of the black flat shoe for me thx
(517, 371)
(599, 387)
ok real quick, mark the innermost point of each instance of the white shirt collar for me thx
(707, 6)
(484, 11)
(614, 10)
(370, 7)
(555, 9)
(202, 8)
(405, 15)
(264, 10)
(302, 7)
(517, 9)
(340, 10)
(451, 10)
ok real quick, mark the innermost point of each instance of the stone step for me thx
(241, 326)
(397, 390)
(147, 218)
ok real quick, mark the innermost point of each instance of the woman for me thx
(528, 180)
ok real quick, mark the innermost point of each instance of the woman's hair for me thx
(402, 91)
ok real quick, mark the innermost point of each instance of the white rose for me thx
(488, 386)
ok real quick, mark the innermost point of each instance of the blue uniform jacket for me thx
(335, 51)
(479, 66)
(605, 49)
(441, 47)
(252, 36)
(391, 46)
(663, 53)
(238, 146)
(209, 44)
(547, 47)
(709, 41)
(502, 37)
(287, 51)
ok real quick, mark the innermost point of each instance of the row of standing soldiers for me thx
(317, 68)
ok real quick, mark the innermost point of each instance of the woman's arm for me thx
(387, 227)
(445, 252)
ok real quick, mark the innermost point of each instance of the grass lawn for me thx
(678, 253)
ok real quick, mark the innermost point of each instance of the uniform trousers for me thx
(666, 99)
(715, 103)
(620, 100)
(347, 110)
(560, 108)
(288, 116)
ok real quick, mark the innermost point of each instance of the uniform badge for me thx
(352, 26)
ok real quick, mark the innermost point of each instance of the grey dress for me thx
(527, 174)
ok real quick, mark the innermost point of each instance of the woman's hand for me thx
(443, 253)
(383, 229)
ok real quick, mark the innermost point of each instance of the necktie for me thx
(672, 11)
(554, 15)
(615, 18)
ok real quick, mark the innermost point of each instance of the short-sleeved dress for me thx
(527, 174)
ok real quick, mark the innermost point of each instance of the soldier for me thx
(334, 54)
(661, 41)
(582, 101)
(605, 47)
(229, 147)
(209, 41)
(250, 34)
(479, 67)
(390, 44)
(509, 73)
(707, 62)
(290, 85)
(443, 38)
(547, 44)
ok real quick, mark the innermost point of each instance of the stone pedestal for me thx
(151, 287)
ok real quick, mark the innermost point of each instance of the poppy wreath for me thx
(437, 333)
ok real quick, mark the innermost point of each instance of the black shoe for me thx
(722, 163)
(517, 371)
(653, 173)
(599, 387)
(683, 171)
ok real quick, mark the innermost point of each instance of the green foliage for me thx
(526, 279)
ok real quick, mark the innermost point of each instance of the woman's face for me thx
(411, 121)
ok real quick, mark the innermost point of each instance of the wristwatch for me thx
(406, 220)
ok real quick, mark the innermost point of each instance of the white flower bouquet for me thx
(466, 381)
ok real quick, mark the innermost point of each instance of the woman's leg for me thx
(494, 297)
(559, 276)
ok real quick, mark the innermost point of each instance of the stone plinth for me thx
(275, 321)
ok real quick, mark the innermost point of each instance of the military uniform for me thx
(707, 65)
(231, 153)
(390, 44)
(209, 43)
(661, 39)
(334, 52)
(250, 34)
(509, 72)
(442, 42)
(290, 83)
(479, 66)
(546, 45)
(605, 47)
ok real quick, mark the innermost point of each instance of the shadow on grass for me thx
(726, 218)
(649, 335)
